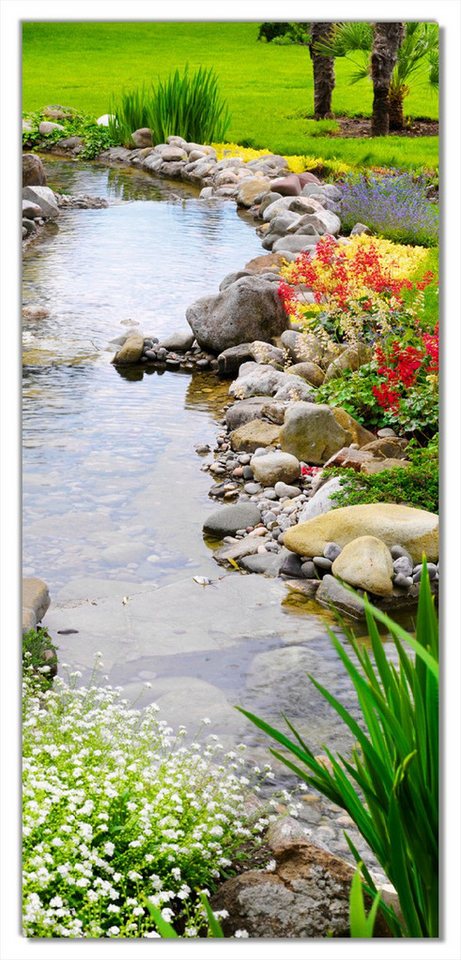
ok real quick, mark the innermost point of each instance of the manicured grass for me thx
(269, 88)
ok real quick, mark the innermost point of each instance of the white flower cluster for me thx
(117, 810)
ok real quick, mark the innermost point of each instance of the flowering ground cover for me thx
(395, 207)
(118, 809)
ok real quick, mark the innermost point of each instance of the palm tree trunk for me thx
(388, 37)
(396, 121)
(324, 71)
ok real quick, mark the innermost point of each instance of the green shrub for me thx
(118, 809)
(416, 485)
(389, 786)
(39, 654)
(187, 105)
(353, 390)
(95, 138)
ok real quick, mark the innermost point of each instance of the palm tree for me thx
(417, 58)
(324, 69)
(387, 40)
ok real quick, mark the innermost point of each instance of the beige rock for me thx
(311, 432)
(256, 433)
(416, 530)
(354, 430)
(273, 467)
(309, 371)
(377, 466)
(269, 262)
(386, 447)
(142, 137)
(131, 350)
(302, 346)
(250, 189)
(350, 359)
(367, 563)
(35, 602)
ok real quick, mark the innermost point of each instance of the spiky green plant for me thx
(389, 786)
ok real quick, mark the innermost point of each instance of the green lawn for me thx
(268, 87)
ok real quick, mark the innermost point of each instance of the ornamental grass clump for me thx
(395, 207)
(389, 785)
(119, 812)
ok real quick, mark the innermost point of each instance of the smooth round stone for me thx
(403, 566)
(262, 451)
(244, 459)
(291, 566)
(331, 551)
(247, 473)
(275, 533)
(237, 472)
(173, 363)
(398, 551)
(431, 569)
(270, 493)
(323, 563)
(162, 353)
(150, 354)
(308, 570)
(285, 490)
(269, 518)
(252, 488)
(386, 432)
(400, 580)
(203, 364)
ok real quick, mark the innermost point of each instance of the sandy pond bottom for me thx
(114, 499)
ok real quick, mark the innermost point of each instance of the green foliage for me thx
(187, 105)
(212, 927)
(285, 33)
(416, 485)
(267, 87)
(39, 653)
(95, 138)
(389, 785)
(360, 924)
(353, 390)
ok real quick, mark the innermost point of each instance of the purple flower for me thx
(395, 207)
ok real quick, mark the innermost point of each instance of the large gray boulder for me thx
(33, 171)
(250, 309)
(311, 432)
(44, 198)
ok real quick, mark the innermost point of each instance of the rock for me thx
(403, 581)
(296, 243)
(366, 563)
(284, 490)
(230, 360)
(307, 586)
(244, 411)
(27, 126)
(170, 153)
(256, 433)
(292, 388)
(105, 119)
(29, 226)
(311, 433)
(250, 309)
(44, 198)
(360, 228)
(309, 371)
(256, 380)
(302, 347)
(351, 458)
(307, 895)
(417, 530)
(266, 563)
(386, 432)
(321, 501)
(323, 221)
(291, 565)
(56, 112)
(268, 262)
(142, 137)
(35, 602)
(181, 340)
(287, 186)
(228, 553)
(71, 144)
(332, 593)
(31, 210)
(404, 566)
(377, 466)
(228, 520)
(266, 353)
(33, 171)
(387, 447)
(251, 189)
(131, 351)
(350, 359)
(47, 126)
(398, 551)
(274, 467)
(355, 433)
(332, 551)
(274, 410)
(308, 570)
(307, 177)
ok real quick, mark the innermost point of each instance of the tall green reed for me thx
(389, 785)
(185, 105)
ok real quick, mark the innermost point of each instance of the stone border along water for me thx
(379, 546)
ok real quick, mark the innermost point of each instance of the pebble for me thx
(237, 472)
(403, 566)
(162, 353)
(270, 493)
(203, 364)
(247, 473)
(244, 459)
(400, 580)
(150, 354)
(386, 432)
(323, 563)
(291, 566)
(202, 448)
(285, 490)
(252, 488)
(308, 570)
(331, 551)
(398, 551)
(431, 569)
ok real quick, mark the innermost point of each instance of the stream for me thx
(113, 496)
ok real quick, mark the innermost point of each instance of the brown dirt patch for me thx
(361, 127)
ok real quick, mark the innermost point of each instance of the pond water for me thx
(114, 498)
